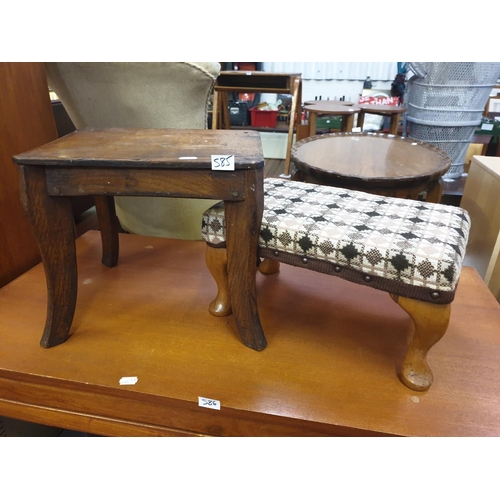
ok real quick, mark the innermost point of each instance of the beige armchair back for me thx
(141, 95)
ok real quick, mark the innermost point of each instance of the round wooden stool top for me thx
(331, 101)
(372, 162)
(331, 107)
(382, 109)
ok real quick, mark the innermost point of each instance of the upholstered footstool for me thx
(412, 250)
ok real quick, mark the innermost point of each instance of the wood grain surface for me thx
(26, 121)
(164, 148)
(330, 366)
(369, 160)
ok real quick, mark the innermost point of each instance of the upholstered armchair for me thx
(141, 95)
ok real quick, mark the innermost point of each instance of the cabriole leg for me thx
(216, 259)
(431, 322)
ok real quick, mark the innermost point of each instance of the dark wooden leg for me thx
(435, 191)
(394, 124)
(216, 259)
(361, 120)
(108, 225)
(54, 227)
(347, 123)
(243, 220)
(431, 322)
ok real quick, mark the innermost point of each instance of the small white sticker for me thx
(128, 380)
(222, 162)
(188, 157)
(209, 403)
(487, 126)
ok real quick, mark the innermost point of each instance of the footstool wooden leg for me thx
(268, 266)
(216, 259)
(51, 218)
(108, 225)
(431, 322)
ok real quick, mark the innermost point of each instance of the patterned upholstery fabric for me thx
(409, 248)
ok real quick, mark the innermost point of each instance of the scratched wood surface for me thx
(330, 367)
(162, 148)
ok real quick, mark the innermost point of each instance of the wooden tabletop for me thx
(377, 160)
(329, 368)
(328, 102)
(331, 107)
(382, 108)
(151, 148)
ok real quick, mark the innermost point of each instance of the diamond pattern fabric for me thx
(407, 242)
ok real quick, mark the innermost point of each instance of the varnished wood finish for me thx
(243, 222)
(331, 108)
(145, 182)
(268, 266)
(375, 163)
(216, 260)
(259, 81)
(329, 102)
(329, 369)
(140, 162)
(53, 224)
(108, 224)
(431, 322)
(26, 121)
(394, 112)
(147, 148)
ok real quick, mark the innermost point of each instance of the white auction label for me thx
(222, 162)
(128, 380)
(209, 403)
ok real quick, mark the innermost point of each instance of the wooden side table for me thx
(259, 81)
(394, 112)
(334, 109)
(142, 162)
(375, 163)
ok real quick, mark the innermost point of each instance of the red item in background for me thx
(263, 118)
(385, 101)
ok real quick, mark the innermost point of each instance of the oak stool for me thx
(142, 162)
(412, 250)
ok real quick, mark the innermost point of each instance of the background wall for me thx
(335, 79)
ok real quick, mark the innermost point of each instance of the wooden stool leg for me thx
(361, 120)
(216, 259)
(312, 124)
(52, 220)
(394, 124)
(108, 225)
(268, 266)
(431, 322)
(435, 191)
(347, 123)
(243, 220)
